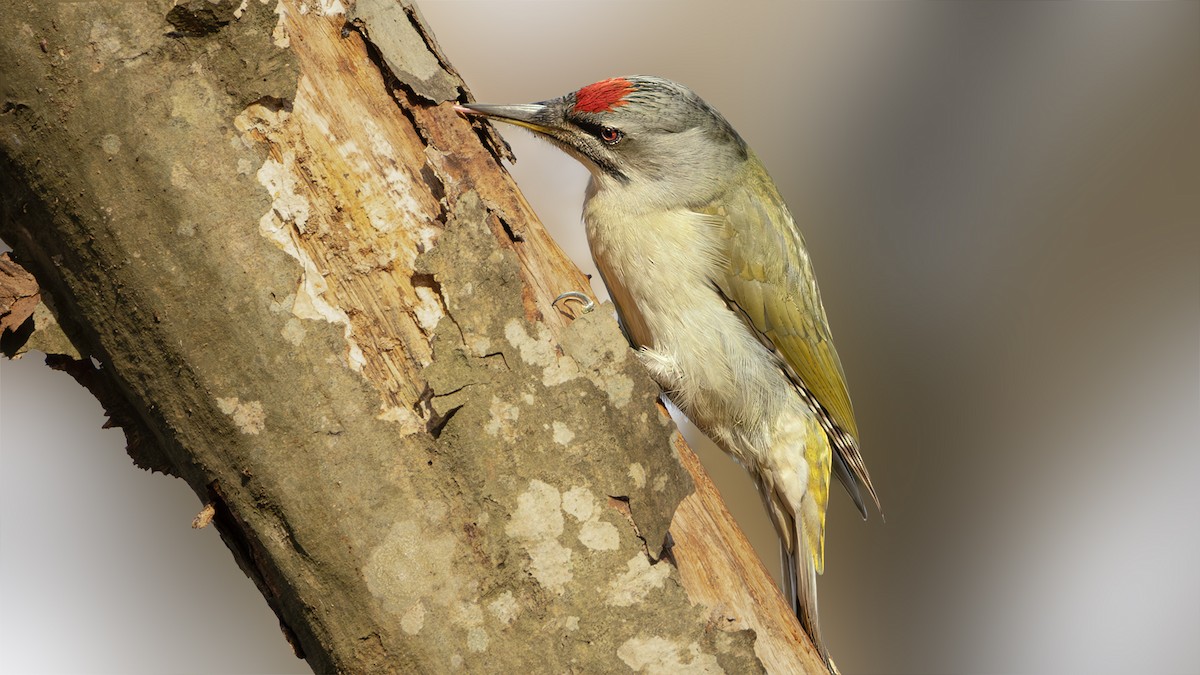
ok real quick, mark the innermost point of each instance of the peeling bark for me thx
(316, 297)
(18, 295)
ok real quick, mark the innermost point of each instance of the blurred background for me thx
(1002, 202)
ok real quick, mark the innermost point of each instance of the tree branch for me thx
(320, 300)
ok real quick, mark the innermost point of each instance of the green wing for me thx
(770, 280)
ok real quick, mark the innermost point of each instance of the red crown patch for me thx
(603, 96)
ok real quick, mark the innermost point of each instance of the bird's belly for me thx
(697, 349)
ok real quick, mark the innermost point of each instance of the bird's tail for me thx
(804, 600)
(796, 501)
(800, 585)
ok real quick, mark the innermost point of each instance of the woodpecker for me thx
(715, 290)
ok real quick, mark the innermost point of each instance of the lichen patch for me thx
(293, 331)
(660, 656)
(503, 420)
(660, 483)
(594, 343)
(563, 434)
(414, 565)
(540, 351)
(579, 502)
(505, 608)
(599, 536)
(414, 619)
(469, 616)
(639, 579)
(249, 416)
(477, 639)
(537, 524)
(481, 345)
(637, 472)
(181, 176)
(594, 533)
(550, 564)
(110, 144)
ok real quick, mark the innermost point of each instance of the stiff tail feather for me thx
(800, 586)
(796, 501)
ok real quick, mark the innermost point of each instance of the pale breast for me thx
(659, 270)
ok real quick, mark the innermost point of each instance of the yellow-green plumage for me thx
(770, 277)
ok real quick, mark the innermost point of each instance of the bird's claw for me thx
(588, 303)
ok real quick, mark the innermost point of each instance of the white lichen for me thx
(594, 533)
(505, 608)
(293, 331)
(181, 176)
(414, 619)
(477, 639)
(639, 579)
(537, 524)
(414, 564)
(579, 503)
(638, 473)
(599, 536)
(660, 483)
(110, 144)
(659, 656)
(469, 616)
(540, 351)
(563, 434)
(249, 417)
(503, 419)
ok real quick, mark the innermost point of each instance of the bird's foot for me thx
(587, 302)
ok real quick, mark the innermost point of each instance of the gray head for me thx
(639, 130)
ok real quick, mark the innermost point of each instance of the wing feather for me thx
(770, 280)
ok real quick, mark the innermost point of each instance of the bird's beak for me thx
(526, 115)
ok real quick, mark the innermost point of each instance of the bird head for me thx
(638, 133)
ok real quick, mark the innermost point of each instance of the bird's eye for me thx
(610, 135)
